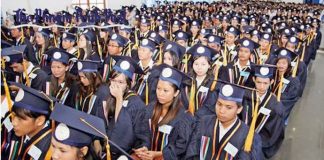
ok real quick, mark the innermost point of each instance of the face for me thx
(255, 39)
(113, 48)
(124, 33)
(175, 28)
(66, 44)
(15, 32)
(84, 80)
(120, 80)
(201, 66)
(230, 38)
(144, 28)
(264, 44)
(282, 65)
(290, 46)
(163, 34)
(165, 92)
(17, 67)
(244, 54)
(82, 43)
(226, 110)
(144, 53)
(63, 151)
(284, 39)
(167, 58)
(23, 125)
(102, 34)
(262, 84)
(194, 29)
(40, 40)
(58, 69)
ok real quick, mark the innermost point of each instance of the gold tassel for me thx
(99, 48)
(136, 39)
(280, 88)
(225, 56)
(212, 88)
(26, 75)
(6, 88)
(191, 107)
(250, 136)
(23, 35)
(146, 93)
(160, 55)
(294, 73)
(55, 42)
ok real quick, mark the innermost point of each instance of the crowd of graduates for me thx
(181, 80)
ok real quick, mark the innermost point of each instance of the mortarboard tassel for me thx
(213, 86)
(225, 56)
(55, 42)
(280, 87)
(191, 107)
(5, 84)
(160, 55)
(250, 136)
(136, 39)
(78, 56)
(26, 75)
(23, 35)
(146, 93)
(303, 54)
(99, 48)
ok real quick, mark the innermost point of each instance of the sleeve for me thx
(256, 150)
(192, 152)
(39, 80)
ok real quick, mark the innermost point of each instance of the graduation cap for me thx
(127, 66)
(163, 28)
(119, 39)
(88, 66)
(14, 54)
(32, 99)
(146, 21)
(175, 48)
(264, 71)
(45, 32)
(173, 75)
(107, 29)
(156, 37)
(256, 32)
(69, 36)
(147, 43)
(5, 44)
(231, 92)
(233, 30)
(60, 55)
(247, 29)
(248, 43)
(206, 31)
(293, 40)
(177, 22)
(89, 35)
(211, 38)
(201, 50)
(285, 53)
(196, 22)
(266, 36)
(226, 18)
(286, 31)
(181, 35)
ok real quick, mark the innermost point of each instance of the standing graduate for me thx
(30, 133)
(224, 135)
(29, 74)
(170, 125)
(123, 110)
(261, 106)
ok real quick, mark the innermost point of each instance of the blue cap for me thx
(163, 28)
(211, 38)
(200, 50)
(45, 32)
(196, 22)
(156, 37)
(293, 40)
(255, 32)
(175, 48)
(60, 55)
(286, 31)
(176, 22)
(126, 29)
(233, 30)
(69, 36)
(206, 31)
(145, 21)
(72, 130)
(147, 43)
(14, 54)
(88, 66)
(264, 71)
(127, 66)
(181, 35)
(89, 35)
(266, 36)
(33, 100)
(122, 41)
(247, 29)
(248, 43)
(173, 75)
(231, 92)
(285, 53)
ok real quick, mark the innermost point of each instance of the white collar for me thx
(263, 96)
(231, 47)
(72, 50)
(223, 131)
(29, 69)
(27, 138)
(240, 67)
(150, 65)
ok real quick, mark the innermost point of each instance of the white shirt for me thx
(240, 67)
(263, 96)
(223, 131)
(29, 69)
(150, 64)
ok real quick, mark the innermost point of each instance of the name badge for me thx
(244, 74)
(32, 75)
(285, 81)
(203, 89)
(232, 150)
(293, 64)
(34, 152)
(165, 129)
(265, 111)
(125, 103)
(8, 124)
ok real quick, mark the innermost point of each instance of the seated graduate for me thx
(170, 124)
(92, 90)
(61, 84)
(224, 135)
(124, 110)
(86, 47)
(286, 87)
(30, 132)
(261, 107)
(239, 71)
(30, 75)
(74, 134)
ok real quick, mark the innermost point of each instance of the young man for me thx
(262, 108)
(30, 75)
(29, 132)
(224, 135)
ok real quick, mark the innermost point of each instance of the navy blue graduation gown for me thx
(37, 78)
(270, 127)
(208, 108)
(177, 134)
(202, 141)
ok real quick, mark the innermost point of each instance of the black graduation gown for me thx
(235, 138)
(91, 102)
(208, 108)
(231, 73)
(270, 127)
(94, 56)
(108, 64)
(40, 144)
(130, 131)
(177, 134)
(37, 78)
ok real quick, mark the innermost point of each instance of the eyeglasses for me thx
(118, 81)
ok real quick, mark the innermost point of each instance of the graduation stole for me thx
(201, 93)
(86, 104)
(142, 79)
(62, 93)
(237, 76)
(218, 145)
(279, 86)
(262, 56)
(160, 136)
(184, 64)
(15, 148)
(26, 81)
(107, 69)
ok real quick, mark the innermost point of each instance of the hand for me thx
(140, 150)
(150, 155)
(97, 147)
(116, 91)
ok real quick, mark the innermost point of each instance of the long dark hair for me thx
(175, 59)
(68, 79)
(95, 80)
(289, 69)
(172, 112)
(192, 72)
(111, 100)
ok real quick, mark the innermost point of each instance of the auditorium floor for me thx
(304, 138)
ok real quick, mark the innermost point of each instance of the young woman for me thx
(124, 110)
(173, 54)
(85, 44)
(61, 84)
(170, 125)
(92, 91)
(43, 44)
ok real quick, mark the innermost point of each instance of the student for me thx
(69, 42)
(182, 38)
(194, 30)
(92, 91)
(173, 54)
(264, 54)
(223, 135)
(61, 84)
(239, 71)
(229, 50)
(261, 106)
(30, 135)
(123, 110)
(85, 44)
(30, 75)
(170, 125)
(43, 43)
